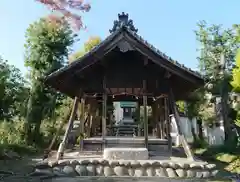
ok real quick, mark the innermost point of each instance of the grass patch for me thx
(226, 158)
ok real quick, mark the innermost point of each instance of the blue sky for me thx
(167, 24)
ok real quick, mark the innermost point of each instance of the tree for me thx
(65, 9)
(65, 109)
(13, 92)
(236, 74)
(236, 71)
(88, 46)
(214, 43)
(47, 47)
(236, 80)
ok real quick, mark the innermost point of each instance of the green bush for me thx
(81, 136)
(12, 133)
(12, 136)
(200, 144)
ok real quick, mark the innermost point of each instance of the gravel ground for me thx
(19, 169)
(127, 179)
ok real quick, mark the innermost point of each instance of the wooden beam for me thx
(183, 141)
(70, 123)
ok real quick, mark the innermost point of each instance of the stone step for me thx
(125, 128)
(125, 131)
(129, 133)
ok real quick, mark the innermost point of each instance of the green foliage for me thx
(181, 106)
(218, 49)
(47, 47)
(200, 106)
(214, 41)
(197, 106)
(12, 137)
(237, 121)
(198, 143)
(81, 137)
(236, 74)
(88, 46)
(91, 43)
(13, 92)
(12, 132)
(222, 156)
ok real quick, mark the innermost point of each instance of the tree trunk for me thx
(200, 134)
(36, 133)
(226, 121)
(193, 131)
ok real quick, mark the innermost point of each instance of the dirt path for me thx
(19, 169)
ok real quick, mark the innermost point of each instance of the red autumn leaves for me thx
(66, 8)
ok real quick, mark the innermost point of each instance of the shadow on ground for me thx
(17, 169)
(227, 162)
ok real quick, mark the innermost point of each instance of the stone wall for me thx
(125, 168)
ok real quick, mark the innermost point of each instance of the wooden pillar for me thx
(161, 121)
(183, 141)
(82, 120)
(70, 123)
(168, 122)
(87, 121)
(145, 120)
(96, 122)
(93, 116)
(139, 119)
(104, 110)
(145, 115)
(154, 118)
(163, 131)
(158, 118)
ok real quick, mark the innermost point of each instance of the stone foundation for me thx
(130, 168)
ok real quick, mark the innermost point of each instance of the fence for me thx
(214, 136)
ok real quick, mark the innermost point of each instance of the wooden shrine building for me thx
(126, 67)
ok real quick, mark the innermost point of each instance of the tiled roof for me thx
(164, 56)
(140, 40)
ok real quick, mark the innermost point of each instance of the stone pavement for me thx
(126, 179)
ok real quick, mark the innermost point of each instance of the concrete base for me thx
(154, 144)
(125, 153)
